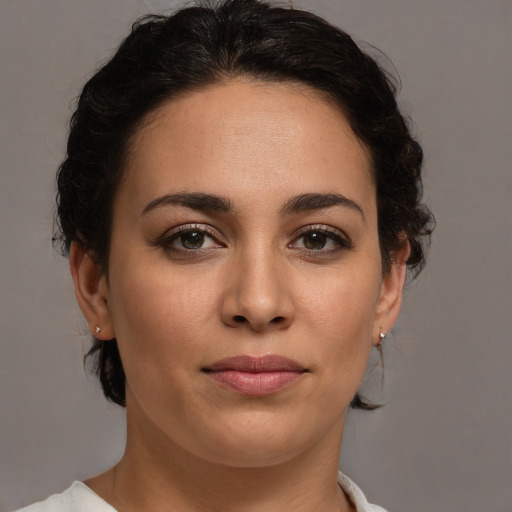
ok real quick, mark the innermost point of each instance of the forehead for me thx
(247, 138)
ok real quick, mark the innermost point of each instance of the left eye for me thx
(319, 240)
(315, 240)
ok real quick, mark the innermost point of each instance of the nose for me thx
(258, 294)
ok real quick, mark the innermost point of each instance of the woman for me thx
(240, 203)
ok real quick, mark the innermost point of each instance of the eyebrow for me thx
(194, 201)
(312, 202)
(212, 203)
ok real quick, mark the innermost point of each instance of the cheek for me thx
(163, 317)
(342, 302)
(162, 323)
(340, 317)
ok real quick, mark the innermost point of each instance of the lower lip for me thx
(255, 384)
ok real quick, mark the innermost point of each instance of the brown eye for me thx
(189, 240)
(315, 240)
(321, 242)
(192, 239)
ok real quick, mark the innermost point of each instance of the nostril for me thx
(278, 321)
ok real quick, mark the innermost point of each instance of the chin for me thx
(260, 443)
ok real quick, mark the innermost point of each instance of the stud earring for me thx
(98, 329)
(382, 337)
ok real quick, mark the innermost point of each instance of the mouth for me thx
(255, 376)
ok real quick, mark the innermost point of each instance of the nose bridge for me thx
(259, 293)
(259, 282)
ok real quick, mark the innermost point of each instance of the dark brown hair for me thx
(164, 56)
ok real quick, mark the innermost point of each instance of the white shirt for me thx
(79, 498)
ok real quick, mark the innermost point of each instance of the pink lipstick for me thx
(255, 376)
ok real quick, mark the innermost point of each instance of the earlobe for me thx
(91, 291)
(390, 299)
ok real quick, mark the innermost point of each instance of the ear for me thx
(390, 298)
(91, 291)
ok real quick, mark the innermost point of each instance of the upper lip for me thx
(256, 364)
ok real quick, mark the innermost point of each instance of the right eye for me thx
(193, 239)
(189, 240)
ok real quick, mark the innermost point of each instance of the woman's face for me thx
(245, 286)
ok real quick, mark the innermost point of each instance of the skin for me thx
(254, 287)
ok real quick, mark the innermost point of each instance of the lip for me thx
(255, 376)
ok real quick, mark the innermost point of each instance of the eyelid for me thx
(171, 234)
(322, 228)
(192, 226)
(335, 234)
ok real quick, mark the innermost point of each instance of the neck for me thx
(156, 474)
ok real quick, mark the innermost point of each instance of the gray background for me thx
(443, 442)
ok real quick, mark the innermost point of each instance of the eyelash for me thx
(341, 240)
(332, 234)
(169, 237)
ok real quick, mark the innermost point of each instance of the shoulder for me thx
(356, 495)
(77, 498)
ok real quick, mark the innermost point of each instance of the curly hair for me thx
(165, 56)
